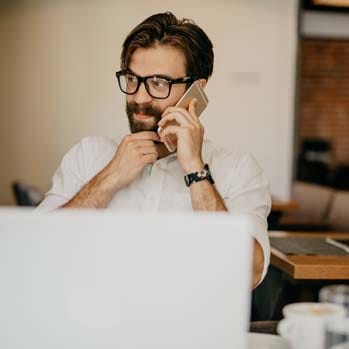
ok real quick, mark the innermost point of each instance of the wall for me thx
(5, 156)
(324, 80)
(324, 98)
(62, 61)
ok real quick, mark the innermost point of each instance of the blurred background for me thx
(58, 60)
(279, 88)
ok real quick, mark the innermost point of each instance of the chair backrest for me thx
(313, 202)
(339, 213)
(26, 195)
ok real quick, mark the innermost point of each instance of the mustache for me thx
(147, 109)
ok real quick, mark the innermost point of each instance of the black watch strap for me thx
(199, 176)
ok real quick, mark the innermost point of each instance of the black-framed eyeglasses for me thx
(158, 86)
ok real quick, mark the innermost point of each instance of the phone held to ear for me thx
(194, 91)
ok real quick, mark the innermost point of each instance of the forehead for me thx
(162, 60)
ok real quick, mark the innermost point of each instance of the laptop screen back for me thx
(107, 280)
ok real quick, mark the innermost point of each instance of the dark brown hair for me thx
(166, 30)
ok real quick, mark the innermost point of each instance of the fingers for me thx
(143, 143)
(148, 150)
(144, 135)
(179, 110)
(181, 119)
(182, 116)
(141, 146)
(190, 112)
(192, 108)
(170, 130)
(149, 158)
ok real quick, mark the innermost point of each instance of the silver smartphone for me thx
(194, 91)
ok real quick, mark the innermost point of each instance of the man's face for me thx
(144, 111)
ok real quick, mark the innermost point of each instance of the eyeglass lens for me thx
(157, 87)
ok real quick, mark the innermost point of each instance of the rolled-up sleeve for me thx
(246, 190)
(66, 181)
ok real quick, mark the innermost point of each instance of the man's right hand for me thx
(133, 154)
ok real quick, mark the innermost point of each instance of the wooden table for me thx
(283, 206)
(302, 267)
(297, 278)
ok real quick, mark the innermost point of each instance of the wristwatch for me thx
(199, 176)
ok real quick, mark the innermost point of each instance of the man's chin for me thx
(138, 126)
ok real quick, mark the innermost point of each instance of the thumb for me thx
(192, 107)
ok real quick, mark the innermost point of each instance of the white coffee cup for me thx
(304, 323)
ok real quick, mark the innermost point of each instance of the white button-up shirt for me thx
(161, 187)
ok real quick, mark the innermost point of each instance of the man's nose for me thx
(142, 96)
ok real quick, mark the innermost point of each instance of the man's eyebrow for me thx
(130, 71)
(159, 75)
(165, 76)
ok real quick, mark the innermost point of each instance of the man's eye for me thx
(159, 83)
(131, 79)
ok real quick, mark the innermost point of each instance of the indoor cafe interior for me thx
(97, 248)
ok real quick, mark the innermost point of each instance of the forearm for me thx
(205, 197)
(258, 263)
(97, 193)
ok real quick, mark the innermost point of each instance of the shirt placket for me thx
(155, 184)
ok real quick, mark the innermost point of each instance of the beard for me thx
(146, 109)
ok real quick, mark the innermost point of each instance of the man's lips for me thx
(142, 116)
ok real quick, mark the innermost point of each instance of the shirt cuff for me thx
(50, 203)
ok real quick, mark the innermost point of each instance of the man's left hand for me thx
(189, 133)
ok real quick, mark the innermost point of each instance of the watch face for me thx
(202, 173)
(199, 176)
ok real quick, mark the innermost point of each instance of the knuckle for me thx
(134, 151)
(127, 138)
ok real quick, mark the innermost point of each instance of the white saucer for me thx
(266, 341)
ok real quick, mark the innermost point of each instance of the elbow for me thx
(258, 264)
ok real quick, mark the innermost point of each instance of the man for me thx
(161, 57)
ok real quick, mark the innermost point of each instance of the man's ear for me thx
(203, 82)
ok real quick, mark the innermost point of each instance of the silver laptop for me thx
(82, 280)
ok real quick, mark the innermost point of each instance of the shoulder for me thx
(94, 145)
(91, 143)
(228, 160)
(236, 173)
(90, 155)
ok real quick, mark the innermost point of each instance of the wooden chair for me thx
(339, 212)
(314, 202)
